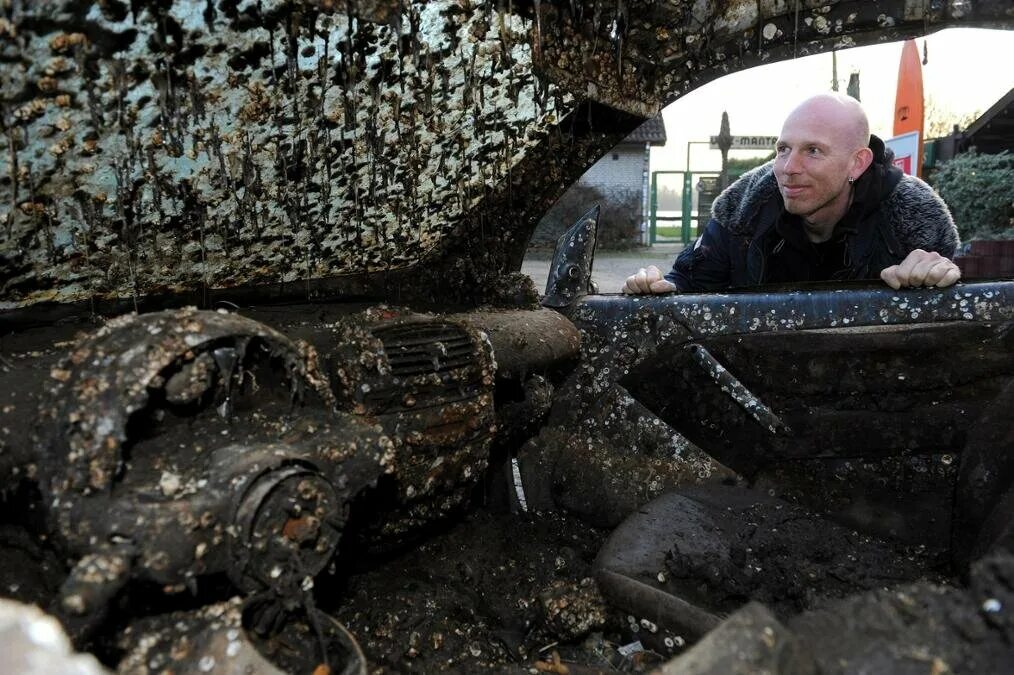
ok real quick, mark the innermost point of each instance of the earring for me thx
(851, 180)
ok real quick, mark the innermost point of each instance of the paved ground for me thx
(611, 268)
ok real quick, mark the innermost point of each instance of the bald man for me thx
(829, 206)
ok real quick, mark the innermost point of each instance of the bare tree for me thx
(941, 118)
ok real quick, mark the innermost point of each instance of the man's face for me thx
(812, 163)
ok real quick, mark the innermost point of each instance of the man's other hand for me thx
(648, 280)
(920, 268)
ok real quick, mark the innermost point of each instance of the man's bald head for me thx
(822, 150)
(836, 111)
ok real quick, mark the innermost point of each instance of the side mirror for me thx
(570, 273)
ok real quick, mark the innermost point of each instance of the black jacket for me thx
(750, 239)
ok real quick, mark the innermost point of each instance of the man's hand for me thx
(648, 280)
(920, 268)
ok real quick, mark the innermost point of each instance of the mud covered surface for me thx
(919, 628)
(26, 358)
(493, 592)
(30, 571)
(496, 592)
(789, 559)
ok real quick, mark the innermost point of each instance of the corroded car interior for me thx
(276, 397)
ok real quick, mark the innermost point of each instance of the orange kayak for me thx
(908, 103)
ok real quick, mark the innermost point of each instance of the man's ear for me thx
(862, 161)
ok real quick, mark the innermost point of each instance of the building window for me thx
(616, 156)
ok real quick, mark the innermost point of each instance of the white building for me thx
(619, 183)
(624, 169)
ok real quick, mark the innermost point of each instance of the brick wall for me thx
(987, 259)
(620, 170)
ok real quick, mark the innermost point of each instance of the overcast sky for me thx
(968, 70)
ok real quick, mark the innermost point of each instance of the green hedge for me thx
(979, 189)
(619, 226)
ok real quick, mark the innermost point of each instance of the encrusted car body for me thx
(162, 152)
(346, 190)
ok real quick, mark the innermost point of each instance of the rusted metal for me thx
(287, 518)
(188, 445)
(140, 486)
(527, 342)
(427, 381)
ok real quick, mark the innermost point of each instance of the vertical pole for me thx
(687, 206)
(652, 227)
(687, 202)
(643, 236)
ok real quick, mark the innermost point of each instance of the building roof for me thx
(994, 130)
(652, 131)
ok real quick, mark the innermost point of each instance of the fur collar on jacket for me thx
(919, 217)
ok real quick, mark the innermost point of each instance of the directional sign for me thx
(748, 142)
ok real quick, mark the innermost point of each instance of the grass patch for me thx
(674, 233)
